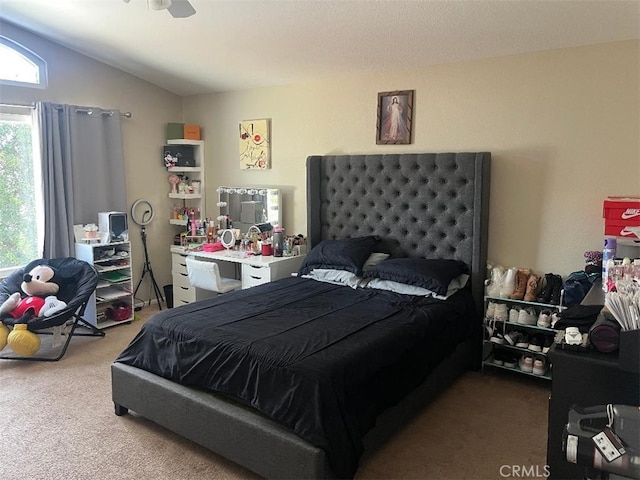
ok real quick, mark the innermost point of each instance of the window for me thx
(21, 212)
(20, 66)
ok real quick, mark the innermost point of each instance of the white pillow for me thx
(391, 286)
(338, 277)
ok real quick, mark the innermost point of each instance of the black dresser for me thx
(587, 379)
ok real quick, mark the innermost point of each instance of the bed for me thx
(245, 374)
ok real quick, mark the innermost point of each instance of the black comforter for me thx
(323, 360)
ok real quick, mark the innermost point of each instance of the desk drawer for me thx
(181, 279)
(255, 275)
(178, 263)
(183, 295)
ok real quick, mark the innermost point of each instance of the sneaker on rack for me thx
(501, 313)
(539, 365)
(523, 341)
(491, 309)
(498, 357)
(526, 363)
(513, 314)
(548, 342)
(527, 316)
(512, 337)
(544, 319)
(555, 316)
(497, 337)
(536, 342)
(517, 339)
(510, 360)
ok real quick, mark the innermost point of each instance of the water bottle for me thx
(278, 241)
(608, 262)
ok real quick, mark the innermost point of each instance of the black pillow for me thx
(345, 254)
(432, 274)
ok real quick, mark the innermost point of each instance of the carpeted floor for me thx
(57, 422)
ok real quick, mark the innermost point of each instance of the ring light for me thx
(142, 212)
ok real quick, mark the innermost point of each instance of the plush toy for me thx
(40, 287)
(37, 299)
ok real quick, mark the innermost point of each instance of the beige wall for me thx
(563, 128)
(79, 80)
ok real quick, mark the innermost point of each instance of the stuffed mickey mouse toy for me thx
(38, 297)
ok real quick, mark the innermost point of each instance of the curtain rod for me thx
(79, 110)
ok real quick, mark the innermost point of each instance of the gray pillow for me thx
(432, 274)
(345, 254)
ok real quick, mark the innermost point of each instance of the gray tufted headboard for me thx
(430, 205)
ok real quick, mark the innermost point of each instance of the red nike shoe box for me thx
(620, 228)
(622, 208)
(620, 213)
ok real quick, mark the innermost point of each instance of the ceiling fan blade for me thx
(181, 9)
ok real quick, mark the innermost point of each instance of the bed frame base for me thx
(245, 436)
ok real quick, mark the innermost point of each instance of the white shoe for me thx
(491, 309)
(544, 319)
(493, 289)
(572, 336)
(508, 283)
(497, 337)
(513, 314)
(527, 316)
(501, 312)
(539, 366)
(526, 363)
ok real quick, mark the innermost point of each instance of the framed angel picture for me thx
(395, 114)
(255, 145)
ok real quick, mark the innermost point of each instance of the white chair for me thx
(206, 275)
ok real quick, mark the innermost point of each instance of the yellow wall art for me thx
(255, 145)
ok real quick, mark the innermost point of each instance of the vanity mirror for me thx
(247, 206)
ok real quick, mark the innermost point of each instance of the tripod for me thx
(147, 268)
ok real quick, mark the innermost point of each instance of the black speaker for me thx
(116, 224)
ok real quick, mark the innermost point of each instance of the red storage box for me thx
(619, 228)
(622, 208)
(620, 213)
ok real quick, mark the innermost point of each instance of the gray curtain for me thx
(82, 170)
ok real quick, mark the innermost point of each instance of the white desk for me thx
(254, 270)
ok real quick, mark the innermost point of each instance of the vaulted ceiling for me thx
(241, 44)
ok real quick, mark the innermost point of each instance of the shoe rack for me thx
(499, 353)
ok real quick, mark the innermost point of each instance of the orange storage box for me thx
(192, 132)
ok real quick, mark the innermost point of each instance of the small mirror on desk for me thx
(247, 206)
